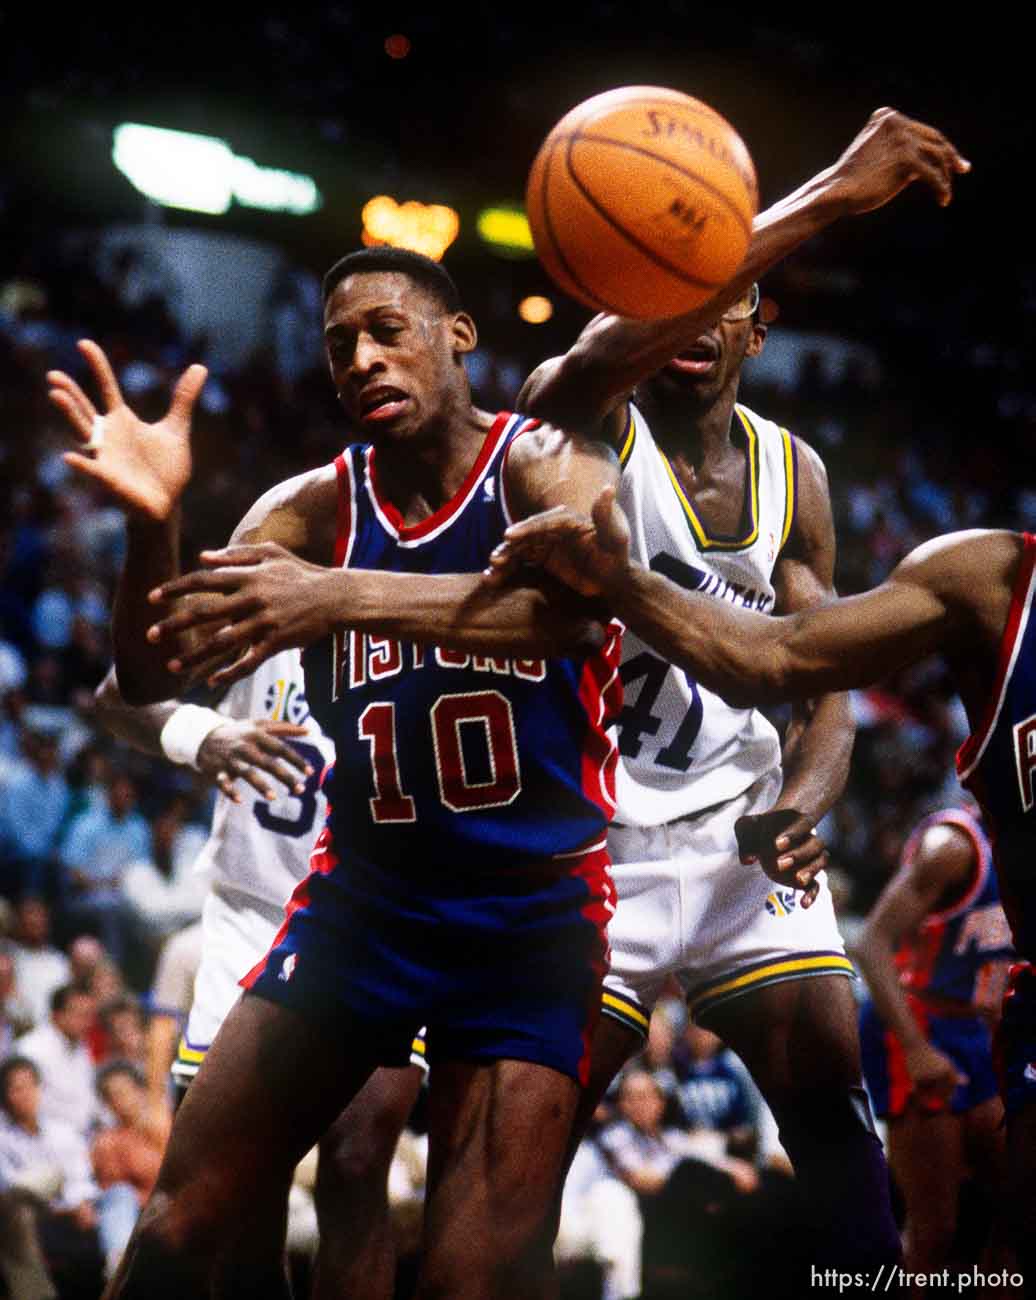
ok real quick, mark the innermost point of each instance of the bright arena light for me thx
(535, 309)
(428, 228)
(201, 173)
(505, 230)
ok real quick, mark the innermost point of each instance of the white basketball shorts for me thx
(688, 907)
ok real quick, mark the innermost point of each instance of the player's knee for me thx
(355, 1154)
(822, 1120)
(179, 1227)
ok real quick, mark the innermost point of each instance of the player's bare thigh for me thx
(498, 1136)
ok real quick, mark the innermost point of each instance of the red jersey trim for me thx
(505, 501)
(411, 534)
(973, 748)
(983, 862)
(346, 510)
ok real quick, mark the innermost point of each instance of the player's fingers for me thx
(238, 670)
(810, 895)
(77, 401)
(200, 611)
(281, 729)
(103, 373)
(185, 394)
(244, 770)
(201, 580)
(225, 785)
(238, 556)
(201, 659)
(795, 833)
(76, 415)
(277, 748)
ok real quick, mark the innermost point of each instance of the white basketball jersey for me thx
(262, 848)
(683, 748)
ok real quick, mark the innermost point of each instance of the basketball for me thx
(641, 202)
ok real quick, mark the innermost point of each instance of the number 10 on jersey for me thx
(488, 713)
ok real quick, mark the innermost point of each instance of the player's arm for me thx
(942, 865)
(586, 388)
(819, 741)
(935, 600)
(223, 749)
(258, 598)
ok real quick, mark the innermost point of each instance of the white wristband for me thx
(183, 734)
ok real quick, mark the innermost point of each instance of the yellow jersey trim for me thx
(775, 971)
(789, 482)
(189, 1054)
(628, 440)
(704, 541)
(625, 1009)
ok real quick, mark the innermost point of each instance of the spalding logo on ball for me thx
(641, 202)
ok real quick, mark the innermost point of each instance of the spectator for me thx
(163, 893)
(125, 1032)
(714, 1091)
(98, 847)
(59, 1052)
(77, 1221)
(40, 968)
(601, 1220)
(15, 1013)
(171, 996)
(130, 1150)
(32, 807)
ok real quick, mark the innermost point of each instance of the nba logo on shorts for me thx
(288, 969)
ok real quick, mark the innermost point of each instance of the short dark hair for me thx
(61, 995)
(429, 275)
(113, 1068)
(8, 1068)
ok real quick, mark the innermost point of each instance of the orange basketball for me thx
(641, 202)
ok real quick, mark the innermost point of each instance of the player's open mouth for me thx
(701, 359)
(381, 403)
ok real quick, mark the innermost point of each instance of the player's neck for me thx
(420, 475)
(698, 433)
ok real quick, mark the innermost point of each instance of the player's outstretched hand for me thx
(785, 843)
(590, 555)
(934, 1076)
(891, 152)
(247, 604)
(254, 751)
(147, 466)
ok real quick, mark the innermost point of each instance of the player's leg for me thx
(272, 1081)
(926, 1155)
(800, 1042)
(498, 1137)
(356, 1258)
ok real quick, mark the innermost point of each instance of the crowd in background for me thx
(97, 843)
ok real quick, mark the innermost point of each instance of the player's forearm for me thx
(152, 557)
(816, 761)
(875, 958)
(613, 354)
(460, 612)
(137, 726)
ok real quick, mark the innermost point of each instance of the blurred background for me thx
(174, 184)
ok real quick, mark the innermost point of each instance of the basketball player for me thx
(461, 879)
(257, 853)
(935, 953)
(966, 596)
(788, 963)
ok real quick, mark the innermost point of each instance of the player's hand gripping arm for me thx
(942, 864)
(259, 598)
(949, 595)
(819, 741)
(612, 355)
(147, 467)
(228, 749)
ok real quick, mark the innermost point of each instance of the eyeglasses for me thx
(744, 307)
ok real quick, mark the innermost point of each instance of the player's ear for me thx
(465, 335)
(756, 340)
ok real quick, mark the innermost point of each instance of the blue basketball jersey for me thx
(997, 763)
(450, 763)
(961, 951)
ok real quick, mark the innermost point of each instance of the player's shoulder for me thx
(300, 514)
(956, 559)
